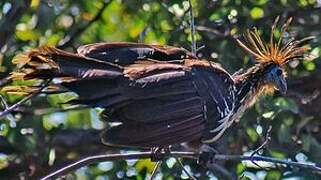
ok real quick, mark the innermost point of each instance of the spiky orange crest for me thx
(274, 51)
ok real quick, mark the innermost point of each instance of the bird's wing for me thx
(123, 53)
(217, 88)
(157, 104)
(167, 106)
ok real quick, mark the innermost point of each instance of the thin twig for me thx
(10, 117)
(266, 141)
(184, 169)
(22, 101)
(176, 154)
(3, 102)
(192, 26)
(212, 31)
(5, 81)
(155, 169)
(200, 48)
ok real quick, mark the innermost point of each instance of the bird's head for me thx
(272, 57)
(275, 76)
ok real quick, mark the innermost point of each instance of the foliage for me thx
(46, 136)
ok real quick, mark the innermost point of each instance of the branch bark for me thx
(176, 154)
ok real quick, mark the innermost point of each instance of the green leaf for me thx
(27, 35)
(278, 154)
(260, 2)
(240, 168)
(286, 104)
(252, 134)
(309, 65)
(268, 115)
(145, 164)
(273, 175)
(53, 40)
(257, 13)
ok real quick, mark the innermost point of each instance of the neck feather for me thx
(250, 85)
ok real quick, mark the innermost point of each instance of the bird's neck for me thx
(249, 86)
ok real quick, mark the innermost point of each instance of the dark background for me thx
(46, 136)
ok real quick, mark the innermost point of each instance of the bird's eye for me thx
(279, 72)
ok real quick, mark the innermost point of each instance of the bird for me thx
(159, 95)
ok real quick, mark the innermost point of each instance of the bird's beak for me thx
(281, 85)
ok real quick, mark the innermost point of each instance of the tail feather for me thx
(49, 62)
(61, 63)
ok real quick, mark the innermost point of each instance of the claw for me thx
(159, 154)
(207, 154)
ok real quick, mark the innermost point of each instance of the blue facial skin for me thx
(275, 75)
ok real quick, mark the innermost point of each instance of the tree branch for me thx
(111, 157)
(176, 154)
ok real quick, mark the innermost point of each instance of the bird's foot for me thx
(159, 154)
(207, 154)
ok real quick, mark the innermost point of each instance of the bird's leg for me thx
(207, 154)
(159, 153)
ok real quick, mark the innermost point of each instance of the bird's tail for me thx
(47, 63)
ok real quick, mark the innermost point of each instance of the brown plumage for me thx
(159, 95)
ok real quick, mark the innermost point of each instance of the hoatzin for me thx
(161, 95)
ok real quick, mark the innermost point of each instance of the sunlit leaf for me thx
(145, 164)
(257, 13)
(27, 35)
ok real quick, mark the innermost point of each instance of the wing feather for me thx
(123, 53)
(156, 134)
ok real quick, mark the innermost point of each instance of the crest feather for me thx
(275, 50)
